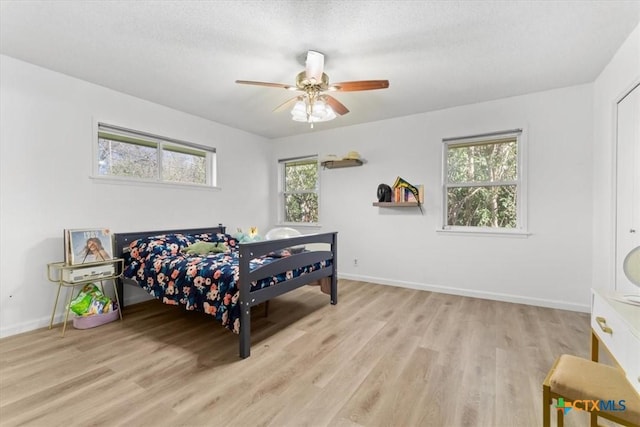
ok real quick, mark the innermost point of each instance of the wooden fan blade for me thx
(278, 85)
(336, 105)
(360, 85)
(286, 104)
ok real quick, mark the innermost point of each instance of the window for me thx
(483, 182)
(299, 190)
(129, 154)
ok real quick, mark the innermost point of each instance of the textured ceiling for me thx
(436, 54)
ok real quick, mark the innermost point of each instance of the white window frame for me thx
(521, 183)
(281, 193)
(210, 154)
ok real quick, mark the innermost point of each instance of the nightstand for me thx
(70, 276)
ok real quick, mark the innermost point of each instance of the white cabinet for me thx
(617, 325)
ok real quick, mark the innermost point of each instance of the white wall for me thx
(45, 185)
(552, 267)
(616, 79)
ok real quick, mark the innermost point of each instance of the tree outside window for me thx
(483, 182)
(134, 155)
(299, 189)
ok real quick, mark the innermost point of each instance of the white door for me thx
(627, 184)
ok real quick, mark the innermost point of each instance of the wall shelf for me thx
(395, 205)
(346, 163)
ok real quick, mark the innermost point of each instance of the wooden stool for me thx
(584, 383)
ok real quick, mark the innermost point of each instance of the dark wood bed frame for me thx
(247, 252)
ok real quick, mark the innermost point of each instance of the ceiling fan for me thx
(313, 104)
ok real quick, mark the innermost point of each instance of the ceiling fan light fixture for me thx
(299, 111)
(320, 111)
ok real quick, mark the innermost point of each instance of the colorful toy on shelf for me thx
(405, 192)
(251, 236)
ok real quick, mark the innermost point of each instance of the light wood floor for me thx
(383, 356)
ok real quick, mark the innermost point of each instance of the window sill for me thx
(125, 181)
(486, 232)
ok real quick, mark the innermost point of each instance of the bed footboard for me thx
(249, 251)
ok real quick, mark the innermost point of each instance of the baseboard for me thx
(31, 325)
(539, 302)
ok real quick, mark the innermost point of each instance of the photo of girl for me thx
(92, 245)
(94, 251)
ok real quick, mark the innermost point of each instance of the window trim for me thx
(211, 157)
(521, 229)
(281, 192)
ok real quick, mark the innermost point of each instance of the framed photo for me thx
(88, 245)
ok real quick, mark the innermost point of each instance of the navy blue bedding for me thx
(206, 283)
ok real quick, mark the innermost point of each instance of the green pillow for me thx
(203, 248)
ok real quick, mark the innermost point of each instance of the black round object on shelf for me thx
(384, 193)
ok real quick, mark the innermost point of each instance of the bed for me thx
(225, 285)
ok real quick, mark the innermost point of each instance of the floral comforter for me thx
(205, 283)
